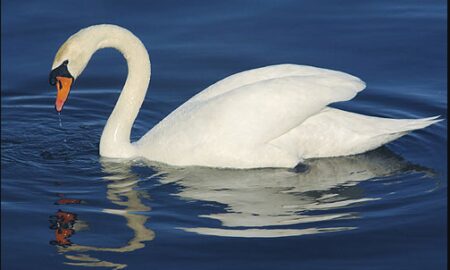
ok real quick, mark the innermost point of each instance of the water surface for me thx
(64, 207)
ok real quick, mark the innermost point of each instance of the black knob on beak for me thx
(60, 71)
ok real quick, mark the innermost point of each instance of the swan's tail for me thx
(334, 132)
(403, 126)
(386, 130)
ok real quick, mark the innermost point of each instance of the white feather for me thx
(273, 116)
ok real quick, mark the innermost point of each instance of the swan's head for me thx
(73, 56)
(70, 61)
(63, 80)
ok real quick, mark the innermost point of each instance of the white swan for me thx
(273, 116)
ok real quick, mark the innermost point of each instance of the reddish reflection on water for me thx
(63, 222)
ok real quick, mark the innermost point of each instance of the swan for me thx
(274, 116)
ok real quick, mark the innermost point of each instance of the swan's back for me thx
(330, 77)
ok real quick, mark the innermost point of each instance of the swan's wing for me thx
(264, 110)
(255, 112)
(261, 74)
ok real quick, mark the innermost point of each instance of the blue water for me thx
(63, 207)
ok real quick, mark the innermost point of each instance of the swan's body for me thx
(267, 117)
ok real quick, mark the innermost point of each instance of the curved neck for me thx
(115, 140)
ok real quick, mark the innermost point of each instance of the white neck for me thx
(115, 140)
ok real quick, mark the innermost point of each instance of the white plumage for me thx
(273, 116)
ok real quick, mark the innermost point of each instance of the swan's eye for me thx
(66, 62)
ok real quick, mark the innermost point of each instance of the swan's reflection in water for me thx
(121, 191)
(261, 203)
(256, 203)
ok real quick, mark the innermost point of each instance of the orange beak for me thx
(63, 85)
